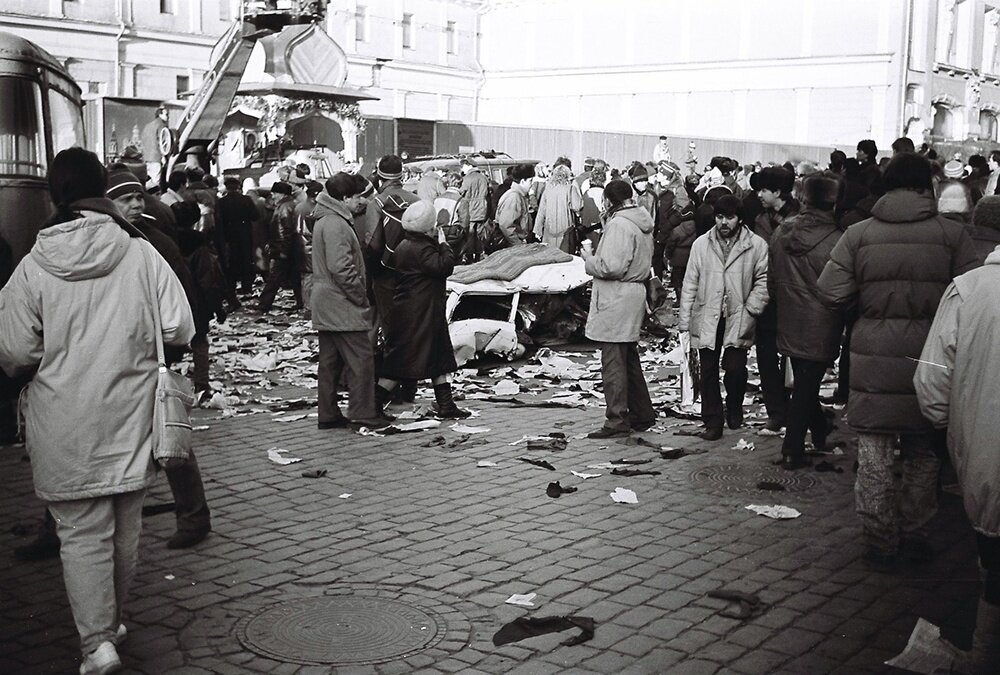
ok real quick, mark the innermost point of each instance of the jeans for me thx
(99, 547)
(804, 410)
(625, 391)
(734, 362)
(772, 374)
(885, 510)
(350, 350)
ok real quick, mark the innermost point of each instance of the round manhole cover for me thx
(339, 631)
(746, 478)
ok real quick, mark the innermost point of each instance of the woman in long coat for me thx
(557, 210)
(419, 343)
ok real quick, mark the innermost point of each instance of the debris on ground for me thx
(555, 489)
(537, 462)
(526, 600)
(624, 496)
(775, 511)
(749, 604)
(926, 651)
(277, 455)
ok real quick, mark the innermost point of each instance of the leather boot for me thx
(985, 653)
(446, 407)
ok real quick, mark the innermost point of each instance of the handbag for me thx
(174, 396)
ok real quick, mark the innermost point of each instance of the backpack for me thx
(388, 231)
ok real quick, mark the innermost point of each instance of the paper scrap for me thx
(169, 577)
(585, 476)
(522, 600)
(624, 496)
(276, 455)
(775, 511)
(506, 388)
(290, 418)
(466, 429)
(200, 427)
(419, 425)
(743, 444)
(926, 652)
(486, 463)
(346, 495)
(608, 465)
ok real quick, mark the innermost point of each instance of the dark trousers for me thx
(241, 268)
(350, 351)
(772, 374)
(625, 391)
(283, 272)
(804, 410)
(989, 558)
(734, 362)
(199, 354)
(844, 368)
(384, 289)
(658, 263)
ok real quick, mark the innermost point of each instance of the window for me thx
(22, 141)
(183, 84)
(451, 37)
(361, 23)
(942, 121)
(988, 126)
(168, 6)
(407, 31)
(67, 122)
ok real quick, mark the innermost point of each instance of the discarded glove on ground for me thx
(748, 604)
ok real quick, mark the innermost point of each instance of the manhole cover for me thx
(744, 478)
(339, 631)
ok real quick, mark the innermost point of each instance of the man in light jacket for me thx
(341, 312)
(961, 355)
(513, 216)
(476, 189)
(725, 290)
(620, 268)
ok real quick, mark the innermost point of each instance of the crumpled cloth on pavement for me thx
(508, 264)
(526, 627)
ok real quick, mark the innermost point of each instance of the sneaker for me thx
(794, 462)
(101, 661)
(606, 432)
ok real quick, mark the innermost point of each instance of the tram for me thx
(41, 113)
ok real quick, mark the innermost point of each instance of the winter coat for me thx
(734, 289)
(78, 309)
(340, 287)
(284, 229)
(764, 226)
(419, 345)
(957, 387)
(476, 188)
(557, 214)
(387, 220)
(620, 267)
(679, 243)
(895, 267)
(799, 250)
(861, 211)
(985, 239)
(453, 217)
(513, 218)
(209, 283)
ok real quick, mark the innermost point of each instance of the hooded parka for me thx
(962, 355)
(895, 266)
(716, 287)
(78, 309)
(620, 267)
(799, 250)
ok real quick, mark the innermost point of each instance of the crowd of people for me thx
(885, 267)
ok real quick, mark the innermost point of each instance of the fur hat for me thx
(820, 190)
(420, 217)
(987, 212)
(121, 183)
(954, 169)
(774, 178)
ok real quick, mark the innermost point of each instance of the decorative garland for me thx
(278, 109)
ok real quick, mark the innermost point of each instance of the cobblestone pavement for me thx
(427, 526)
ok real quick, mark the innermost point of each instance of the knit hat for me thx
(617, 191)
(987, 212)
(122, 183)
(420, 217)
(773, 178)
(390, 167)
(954, 197)
(954, 169)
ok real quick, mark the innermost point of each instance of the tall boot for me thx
(446, 408)
(985, 653)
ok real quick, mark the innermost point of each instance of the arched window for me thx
(942, 121)
(988, 125)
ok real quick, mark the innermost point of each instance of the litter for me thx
(743, 444)
(526, 438)
(926, 651)
(315, 473)
(677, 453)
(465, 429)
(776, 511)
(526, 600)
(634, 472)
(624, 496)
(290, 418)
(547, 443)
(527, 627)
(276, 455)
(486, 464)
(169, 577)
(632, 461)
(200, 427)
(555, 489)
(346, 495)
(506, 388)
(585, 476)
(749, 603)
(607, 466)
(537, 462)
(770, 486)
(419, 425)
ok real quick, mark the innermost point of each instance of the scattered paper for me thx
(200, 427)
(419, 425)
(276, 455)
(526, 600)
(585, 476)
(261, 363)
(484, 463)
(526, 438)
(744, 445)
(217, 402)
(624, 496)
(926, 652)
(169, 577)
(506, 388)
(290, 418)
(607, 466)
(466, 429)
(346, 495)
(776, 511)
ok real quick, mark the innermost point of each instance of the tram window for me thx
(22, 145)
(67, 122)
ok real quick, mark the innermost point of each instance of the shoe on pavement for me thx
(187, 539)
(734, 418)
(45, 546)
(606, 432)
(710, 434)
(378, 422)
(794, 462)
(771, 428)
(101, 661)
(644, 426)
(339, 423)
